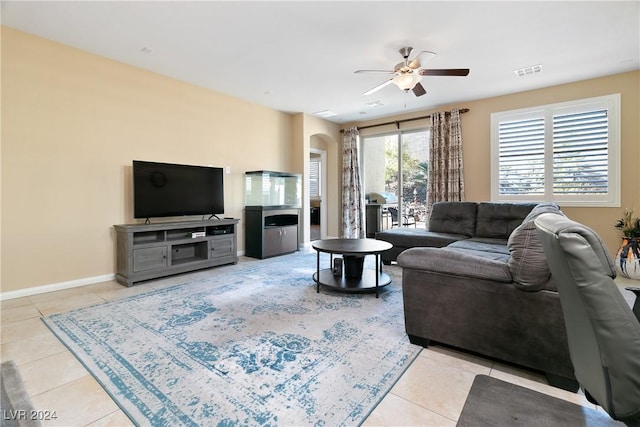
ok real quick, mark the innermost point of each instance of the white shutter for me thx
(314, 178)
(580, 153)
(521, 156)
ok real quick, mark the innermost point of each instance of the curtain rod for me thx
(397, 122)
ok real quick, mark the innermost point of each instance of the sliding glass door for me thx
(395, 175)
(414, 147)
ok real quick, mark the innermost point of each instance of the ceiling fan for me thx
(408, 74)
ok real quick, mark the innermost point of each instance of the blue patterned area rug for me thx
(248, 346)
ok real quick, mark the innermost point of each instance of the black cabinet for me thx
(270, 231)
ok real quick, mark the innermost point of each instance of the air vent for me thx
(533, 69)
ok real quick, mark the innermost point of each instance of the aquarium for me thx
(268, 188)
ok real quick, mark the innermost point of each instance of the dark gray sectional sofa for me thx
(451, 222)
(477, 279)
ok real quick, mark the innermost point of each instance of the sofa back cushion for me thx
(528, 263)
(453, 217)
(498, 220)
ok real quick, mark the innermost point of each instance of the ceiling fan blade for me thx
(374, 71)
(445, 72)
(377, 88)
(421, 58)
(418, 89)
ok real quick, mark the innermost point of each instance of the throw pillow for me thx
(528, 263)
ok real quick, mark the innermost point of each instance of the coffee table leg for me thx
(318, 272)
(378, 269)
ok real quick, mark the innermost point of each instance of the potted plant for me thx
(628, 256)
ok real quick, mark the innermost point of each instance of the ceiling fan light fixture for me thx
(407, 81)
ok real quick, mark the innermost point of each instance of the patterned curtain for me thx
(353, 226)
(446, 182)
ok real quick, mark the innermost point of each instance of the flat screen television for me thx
(166, 189)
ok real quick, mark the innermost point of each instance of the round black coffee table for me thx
(353, 277)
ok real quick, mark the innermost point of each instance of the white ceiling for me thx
(300, 56)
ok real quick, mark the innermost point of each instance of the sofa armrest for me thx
(455, 263)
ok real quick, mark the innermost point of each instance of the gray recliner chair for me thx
(603, 333)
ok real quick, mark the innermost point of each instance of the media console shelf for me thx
(148, 251)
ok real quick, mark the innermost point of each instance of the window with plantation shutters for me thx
(314, 178)
(567, 153)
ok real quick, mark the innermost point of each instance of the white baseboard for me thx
(19, 293)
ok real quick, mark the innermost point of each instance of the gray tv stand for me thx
(148, 251)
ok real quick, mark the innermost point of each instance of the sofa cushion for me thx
(497, 246)
(498, 220)
(453, 217)
(489, 241)
(494, 256)
(408, 237)
(528, 262)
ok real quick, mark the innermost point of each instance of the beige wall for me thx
(72, 124)
(476, 140)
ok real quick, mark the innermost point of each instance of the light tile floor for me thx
(431, 392)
